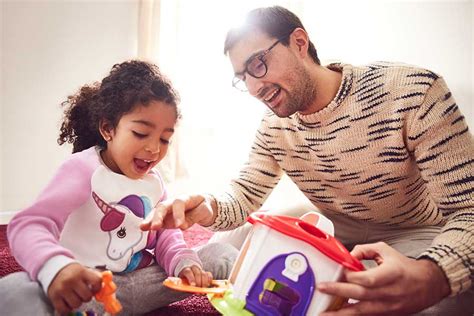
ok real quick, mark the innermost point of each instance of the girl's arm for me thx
(34, 233)
(172, 253)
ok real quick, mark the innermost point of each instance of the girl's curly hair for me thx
(128, 84)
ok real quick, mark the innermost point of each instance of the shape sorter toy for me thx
(282, 261)
(279, 266)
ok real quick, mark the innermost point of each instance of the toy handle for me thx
(319, 221)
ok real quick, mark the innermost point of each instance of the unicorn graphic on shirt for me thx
(121, 221)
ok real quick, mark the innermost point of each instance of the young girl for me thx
(87, 218)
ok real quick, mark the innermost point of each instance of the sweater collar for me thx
(318, 117)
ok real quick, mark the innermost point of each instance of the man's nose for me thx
(254, 85)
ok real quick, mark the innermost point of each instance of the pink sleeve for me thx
(171, 249)
(34, 233)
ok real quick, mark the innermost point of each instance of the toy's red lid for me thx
(310, 234)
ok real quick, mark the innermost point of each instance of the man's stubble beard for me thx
(302, 96)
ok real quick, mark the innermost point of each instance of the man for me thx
(382, 150)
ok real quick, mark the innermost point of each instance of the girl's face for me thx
(140, 139)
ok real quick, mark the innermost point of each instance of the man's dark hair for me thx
(275, 21)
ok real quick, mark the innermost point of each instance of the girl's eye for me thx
(139, 135)
(164, 141)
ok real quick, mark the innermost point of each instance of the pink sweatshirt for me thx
(89, 214)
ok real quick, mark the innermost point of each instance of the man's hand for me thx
(398, 285)
(72, 286)
(181, 213)
(196, 276)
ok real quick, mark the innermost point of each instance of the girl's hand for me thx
(72, 286)
(181, 213)
(196, 276)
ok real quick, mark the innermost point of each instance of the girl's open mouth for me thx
(142, 165)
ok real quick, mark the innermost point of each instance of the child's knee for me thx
(218, 258)
(16, 289)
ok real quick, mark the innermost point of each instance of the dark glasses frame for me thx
(255, 66)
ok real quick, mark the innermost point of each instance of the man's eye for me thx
(139, 135)
(260, 64)
(256, 65)
(259, 68)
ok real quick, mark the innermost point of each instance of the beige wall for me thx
(1, 107)
(49, 49)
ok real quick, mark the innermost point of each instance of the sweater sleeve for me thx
(33, 234)
(171, 251)
(256, 180)
(444, 151)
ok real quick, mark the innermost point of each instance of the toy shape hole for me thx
(311, 229)
(279, 296)
(311, 218)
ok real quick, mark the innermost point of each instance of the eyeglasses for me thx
(255, 67)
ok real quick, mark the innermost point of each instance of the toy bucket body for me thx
(281, 263)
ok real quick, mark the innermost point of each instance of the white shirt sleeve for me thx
(49, 270)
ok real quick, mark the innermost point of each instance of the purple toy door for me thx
(284, 287)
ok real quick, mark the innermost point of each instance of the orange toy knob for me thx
(106, 295)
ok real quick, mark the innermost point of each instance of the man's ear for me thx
(106, 130)
(301, 41)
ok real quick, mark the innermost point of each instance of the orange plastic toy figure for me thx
(106, 295)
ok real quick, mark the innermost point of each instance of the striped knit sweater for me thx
(391, 148)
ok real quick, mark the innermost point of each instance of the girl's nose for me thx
(153, 148)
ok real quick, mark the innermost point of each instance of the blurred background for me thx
(49, 48)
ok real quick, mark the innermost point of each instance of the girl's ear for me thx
(106, 130)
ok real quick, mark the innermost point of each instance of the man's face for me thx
(286, 87)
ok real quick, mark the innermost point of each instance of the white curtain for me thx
(148, 29)
(186, 38)
(172, 167)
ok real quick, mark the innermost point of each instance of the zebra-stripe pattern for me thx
(391, 148)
